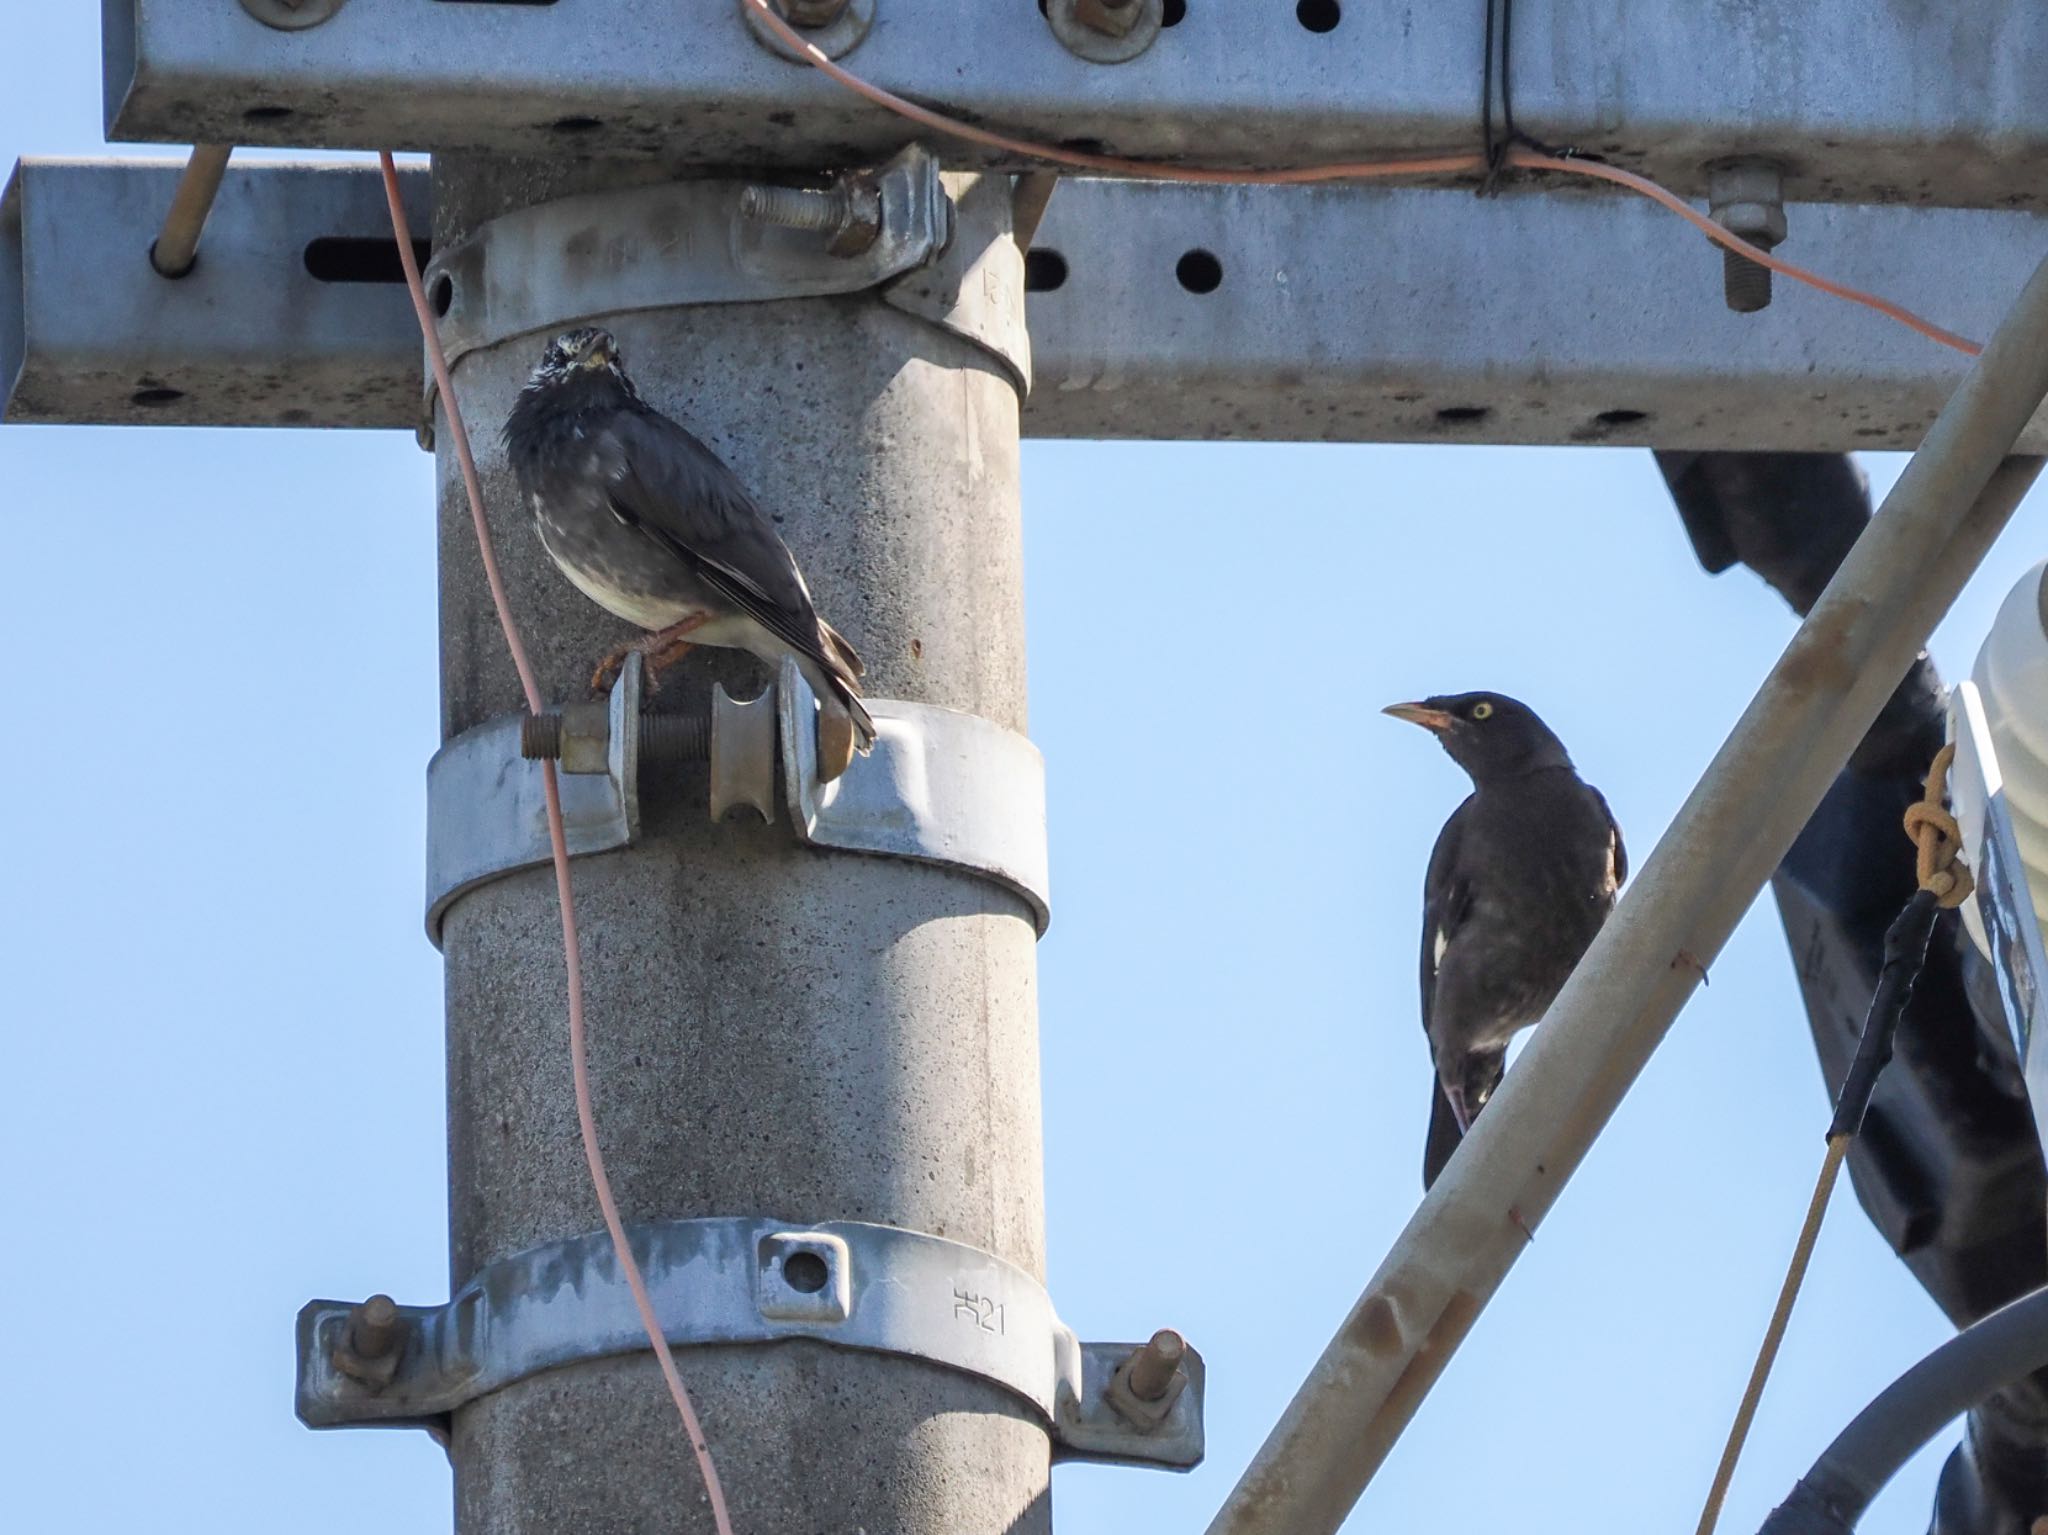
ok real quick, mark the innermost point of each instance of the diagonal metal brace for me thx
(739, 1280)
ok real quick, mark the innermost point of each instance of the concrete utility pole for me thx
(774, 1030)
(815, 1069)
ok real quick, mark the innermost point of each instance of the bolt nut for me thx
(811, 13)
(372, 1342)
(832, 27)
(292, 15)
(1112, 18)
(1105, 31)
(1150, 1381)
(1747, 198)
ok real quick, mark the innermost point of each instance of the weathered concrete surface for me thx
(772, 1030)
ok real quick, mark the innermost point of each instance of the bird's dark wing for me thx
(1446, 901)
(669, 485)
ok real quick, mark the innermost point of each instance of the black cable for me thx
(1496, 71)
(1905, 951)
(1982, 1358)
(1507, 71)
(1494, 149)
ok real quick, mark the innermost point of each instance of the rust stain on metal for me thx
(1407, 1393)
(1817, 660)
(1375, 1327)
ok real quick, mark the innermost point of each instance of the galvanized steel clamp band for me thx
(739, 1280)
(940, 787)
(557, 264)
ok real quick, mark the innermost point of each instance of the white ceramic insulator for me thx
(2012, 678)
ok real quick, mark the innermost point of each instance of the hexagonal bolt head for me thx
(1747, 198)
(811, 13)
(1112, 18)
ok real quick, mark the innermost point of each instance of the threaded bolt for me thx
(374, 1329)
(663, 737)
(797, 207)
(540, 737)
(850, 211)
(675, 737)
(1747, 198)
(1150, 1371)
(1745, 284)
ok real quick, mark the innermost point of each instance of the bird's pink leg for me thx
(662, 648)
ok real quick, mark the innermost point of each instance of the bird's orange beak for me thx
(1436, 720)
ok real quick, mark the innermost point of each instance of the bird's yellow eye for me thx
(1482, 710)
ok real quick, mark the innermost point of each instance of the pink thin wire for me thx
(1359, 170)
(586, 1116)
(1645, 187)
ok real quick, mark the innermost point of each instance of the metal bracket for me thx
(285, 319)
(487, 805)
(976, 293)
(940, 787)
(550, 266)
(736, 1280)
(1291, 346)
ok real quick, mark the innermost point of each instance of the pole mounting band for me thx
(546, 268)
(940, 787)
(741, 1280)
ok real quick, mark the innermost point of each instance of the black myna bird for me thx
(1521, 878)
(652, 526)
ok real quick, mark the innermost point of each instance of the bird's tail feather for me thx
(843, 668)
(863, 722)
(844, 654)
(1482, 1073)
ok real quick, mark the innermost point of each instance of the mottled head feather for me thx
(585, 352)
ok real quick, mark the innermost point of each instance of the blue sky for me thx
(204, 938)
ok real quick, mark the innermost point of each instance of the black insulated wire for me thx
(1905, 951)
(1984, 1357)
(1497, 72)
